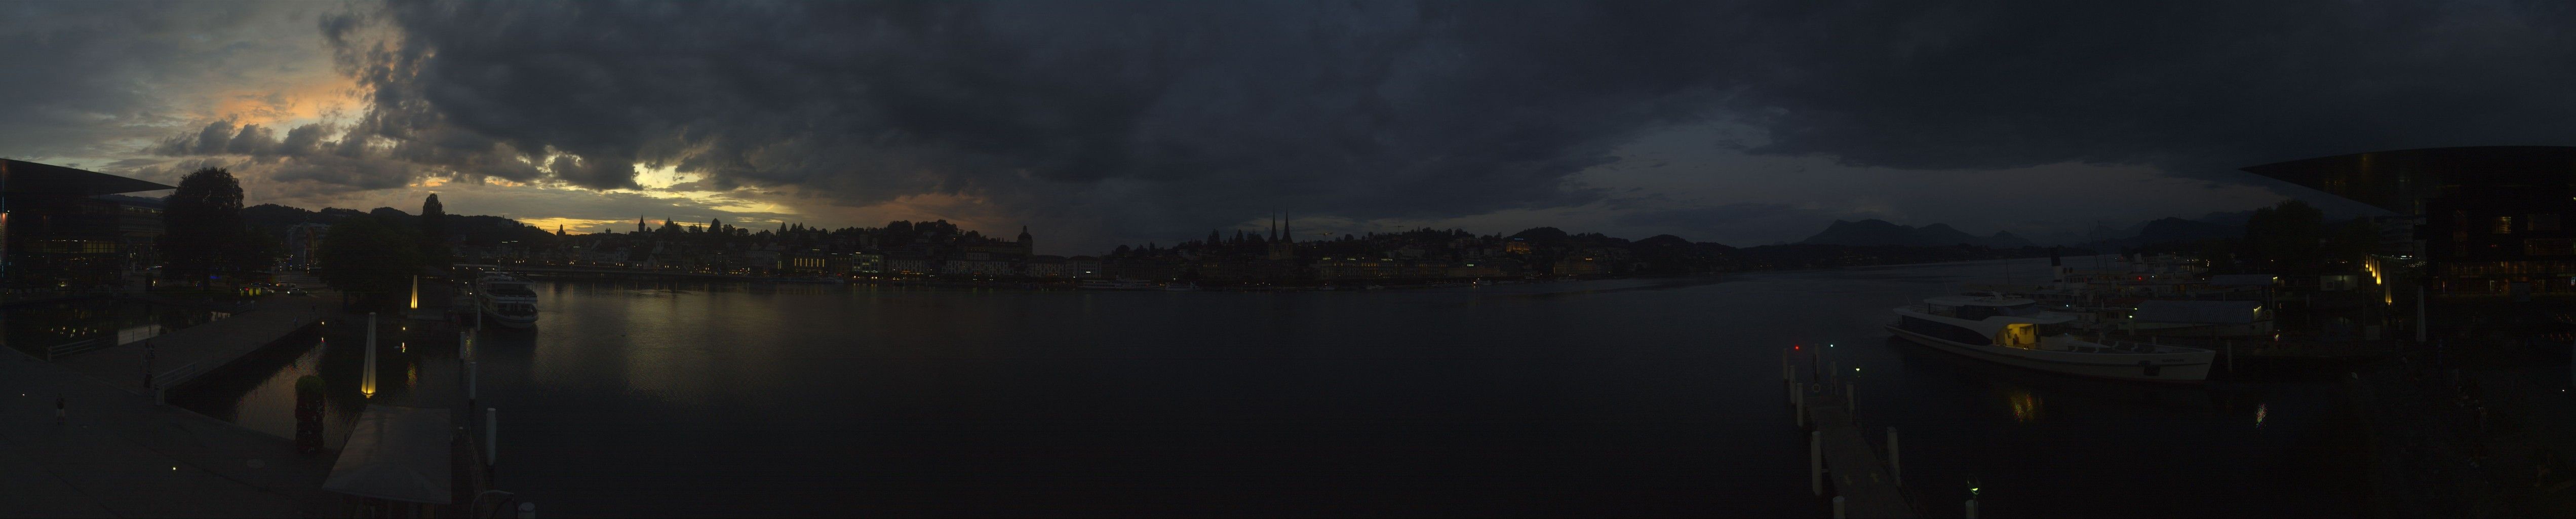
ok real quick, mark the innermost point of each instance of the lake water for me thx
(1624, 397)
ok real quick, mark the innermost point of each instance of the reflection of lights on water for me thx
(2025, 406)
(2260, 411)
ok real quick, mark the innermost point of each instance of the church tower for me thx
(1283, 239)
(1028, 246)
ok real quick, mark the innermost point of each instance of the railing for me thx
(181, 374)
(73, 348)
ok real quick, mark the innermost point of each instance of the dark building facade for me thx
(57, 230)
(2484, 218)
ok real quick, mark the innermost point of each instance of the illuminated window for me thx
(2503, 225)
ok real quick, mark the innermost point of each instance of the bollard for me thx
(1838, 508)
(527, 511)
(1895, 468)
(491, 437)
(1816, 463)
(1972, 509)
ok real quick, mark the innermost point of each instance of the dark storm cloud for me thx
(80, 76)
(2199, 88)
(1157, 117)
(1137, 111)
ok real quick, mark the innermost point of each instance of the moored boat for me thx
(507, 299)
(2017, 332)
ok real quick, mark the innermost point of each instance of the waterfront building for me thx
(868, 264)
(1047, 267)
(2484, 218)
(908, 263)
(57, 230)
(978, 267)
(1578, 266)
(1484, 269)
(814, 262)
(1083, 267)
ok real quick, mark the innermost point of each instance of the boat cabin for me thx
(2028, 325)
(1977, 308)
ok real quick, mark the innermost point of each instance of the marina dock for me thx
(1857, 479)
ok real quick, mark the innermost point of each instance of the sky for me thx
(1098, 123)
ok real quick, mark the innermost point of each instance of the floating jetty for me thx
(1854, 478)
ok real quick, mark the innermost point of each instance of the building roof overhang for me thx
(22, 177)
(2396, 180)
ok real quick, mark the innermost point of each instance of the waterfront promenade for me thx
(118, 454)
(183, 354)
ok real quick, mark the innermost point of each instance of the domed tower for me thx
(1028, 246)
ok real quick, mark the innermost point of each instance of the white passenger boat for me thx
(506, 299)
(2017, 332)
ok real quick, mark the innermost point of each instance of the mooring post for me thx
(491, 436)
(1798, 400)
(1972, 509)
(1895, 468)
(527, 511)
(1838, 507)
(1816, 463)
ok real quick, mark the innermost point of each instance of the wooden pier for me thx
(1857, 479)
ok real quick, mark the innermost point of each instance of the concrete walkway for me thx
(120, 455)
(181, 355)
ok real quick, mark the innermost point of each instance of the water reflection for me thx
(641, 398)
(2025, 406)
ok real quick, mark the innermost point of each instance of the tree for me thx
(371, 261)
(202, 226)
(433, 232)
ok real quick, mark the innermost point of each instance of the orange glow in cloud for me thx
(282, 106)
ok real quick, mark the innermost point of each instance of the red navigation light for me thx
(1794, 346)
